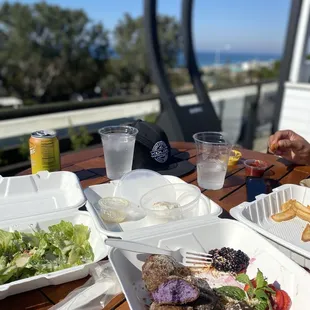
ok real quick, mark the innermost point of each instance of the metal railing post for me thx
(250, 130)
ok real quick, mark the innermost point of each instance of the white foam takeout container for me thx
(286, 236)
(38, 201)
(205, 235)
(136, 227)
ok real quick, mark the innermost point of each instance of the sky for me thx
(257, 26)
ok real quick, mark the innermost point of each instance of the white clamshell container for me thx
(204, 235)
(138, 224)
(286, 236)
(39, 201)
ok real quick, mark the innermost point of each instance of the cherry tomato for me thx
(279, 301)
(282, 301)
(286, 301)
(247, 286)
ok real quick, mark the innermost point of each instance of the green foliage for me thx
(151, 118)
(49, 52)
(79, 137)
(264, 73)
(29, 102)
(131, 69)
(23, 149)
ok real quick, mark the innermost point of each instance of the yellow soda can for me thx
(44, 151)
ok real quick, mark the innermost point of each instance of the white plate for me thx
(205, 235)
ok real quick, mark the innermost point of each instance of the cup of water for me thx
(213, 151)
(118, 148)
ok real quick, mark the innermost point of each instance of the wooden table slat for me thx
(33, 300)
(56, 293)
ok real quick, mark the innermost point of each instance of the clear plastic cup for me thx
(118, 147)
(171, 202)
(213, 151)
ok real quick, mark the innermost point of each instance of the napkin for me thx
(96, 293)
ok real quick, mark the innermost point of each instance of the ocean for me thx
(212, 58)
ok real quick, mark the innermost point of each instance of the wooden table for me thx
(89, 166)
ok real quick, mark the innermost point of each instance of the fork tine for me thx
(198, 253)
(198, 259)
(189, 264)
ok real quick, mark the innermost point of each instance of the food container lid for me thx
(136, 183)
(41, 193)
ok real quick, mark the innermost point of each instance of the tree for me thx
(48, 52)
(131, 50)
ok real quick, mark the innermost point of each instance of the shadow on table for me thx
(285, 162)
(234, 180)
(269, 173)
(226, 215)
(99, 171)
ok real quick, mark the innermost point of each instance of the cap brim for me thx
(177, 169)
(178, 164)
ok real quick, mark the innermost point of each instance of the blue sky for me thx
(246, 25)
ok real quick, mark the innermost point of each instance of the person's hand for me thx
(291, 146)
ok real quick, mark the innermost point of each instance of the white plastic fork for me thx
(186, 257)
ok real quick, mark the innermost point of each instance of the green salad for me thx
(24, 255)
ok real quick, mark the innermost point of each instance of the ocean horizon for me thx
(209, 58)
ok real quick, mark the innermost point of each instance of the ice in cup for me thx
(213, 151)
(118, 147)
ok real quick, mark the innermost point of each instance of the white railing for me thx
(229, 104)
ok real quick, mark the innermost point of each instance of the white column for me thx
(300, 42)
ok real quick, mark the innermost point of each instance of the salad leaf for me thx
(262, 305)
(8, 246)
(244, 278)
(23, 255)
(261, 294)
(3, 262)
(260, 280)
(232, 292)
(7, 273)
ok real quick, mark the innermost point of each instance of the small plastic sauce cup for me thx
(234, 158)
(113, 209)
(254, 167)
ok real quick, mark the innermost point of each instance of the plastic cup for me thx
(113, 209)
(213, 151)
(171, 202)
(254, 167)
(118, 147)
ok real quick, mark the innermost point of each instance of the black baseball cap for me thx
(153, 151)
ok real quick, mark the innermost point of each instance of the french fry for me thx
(297, 206)
(274, 147)
(284, 215)
(306, 234)
(303, 215)
(287, 205)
